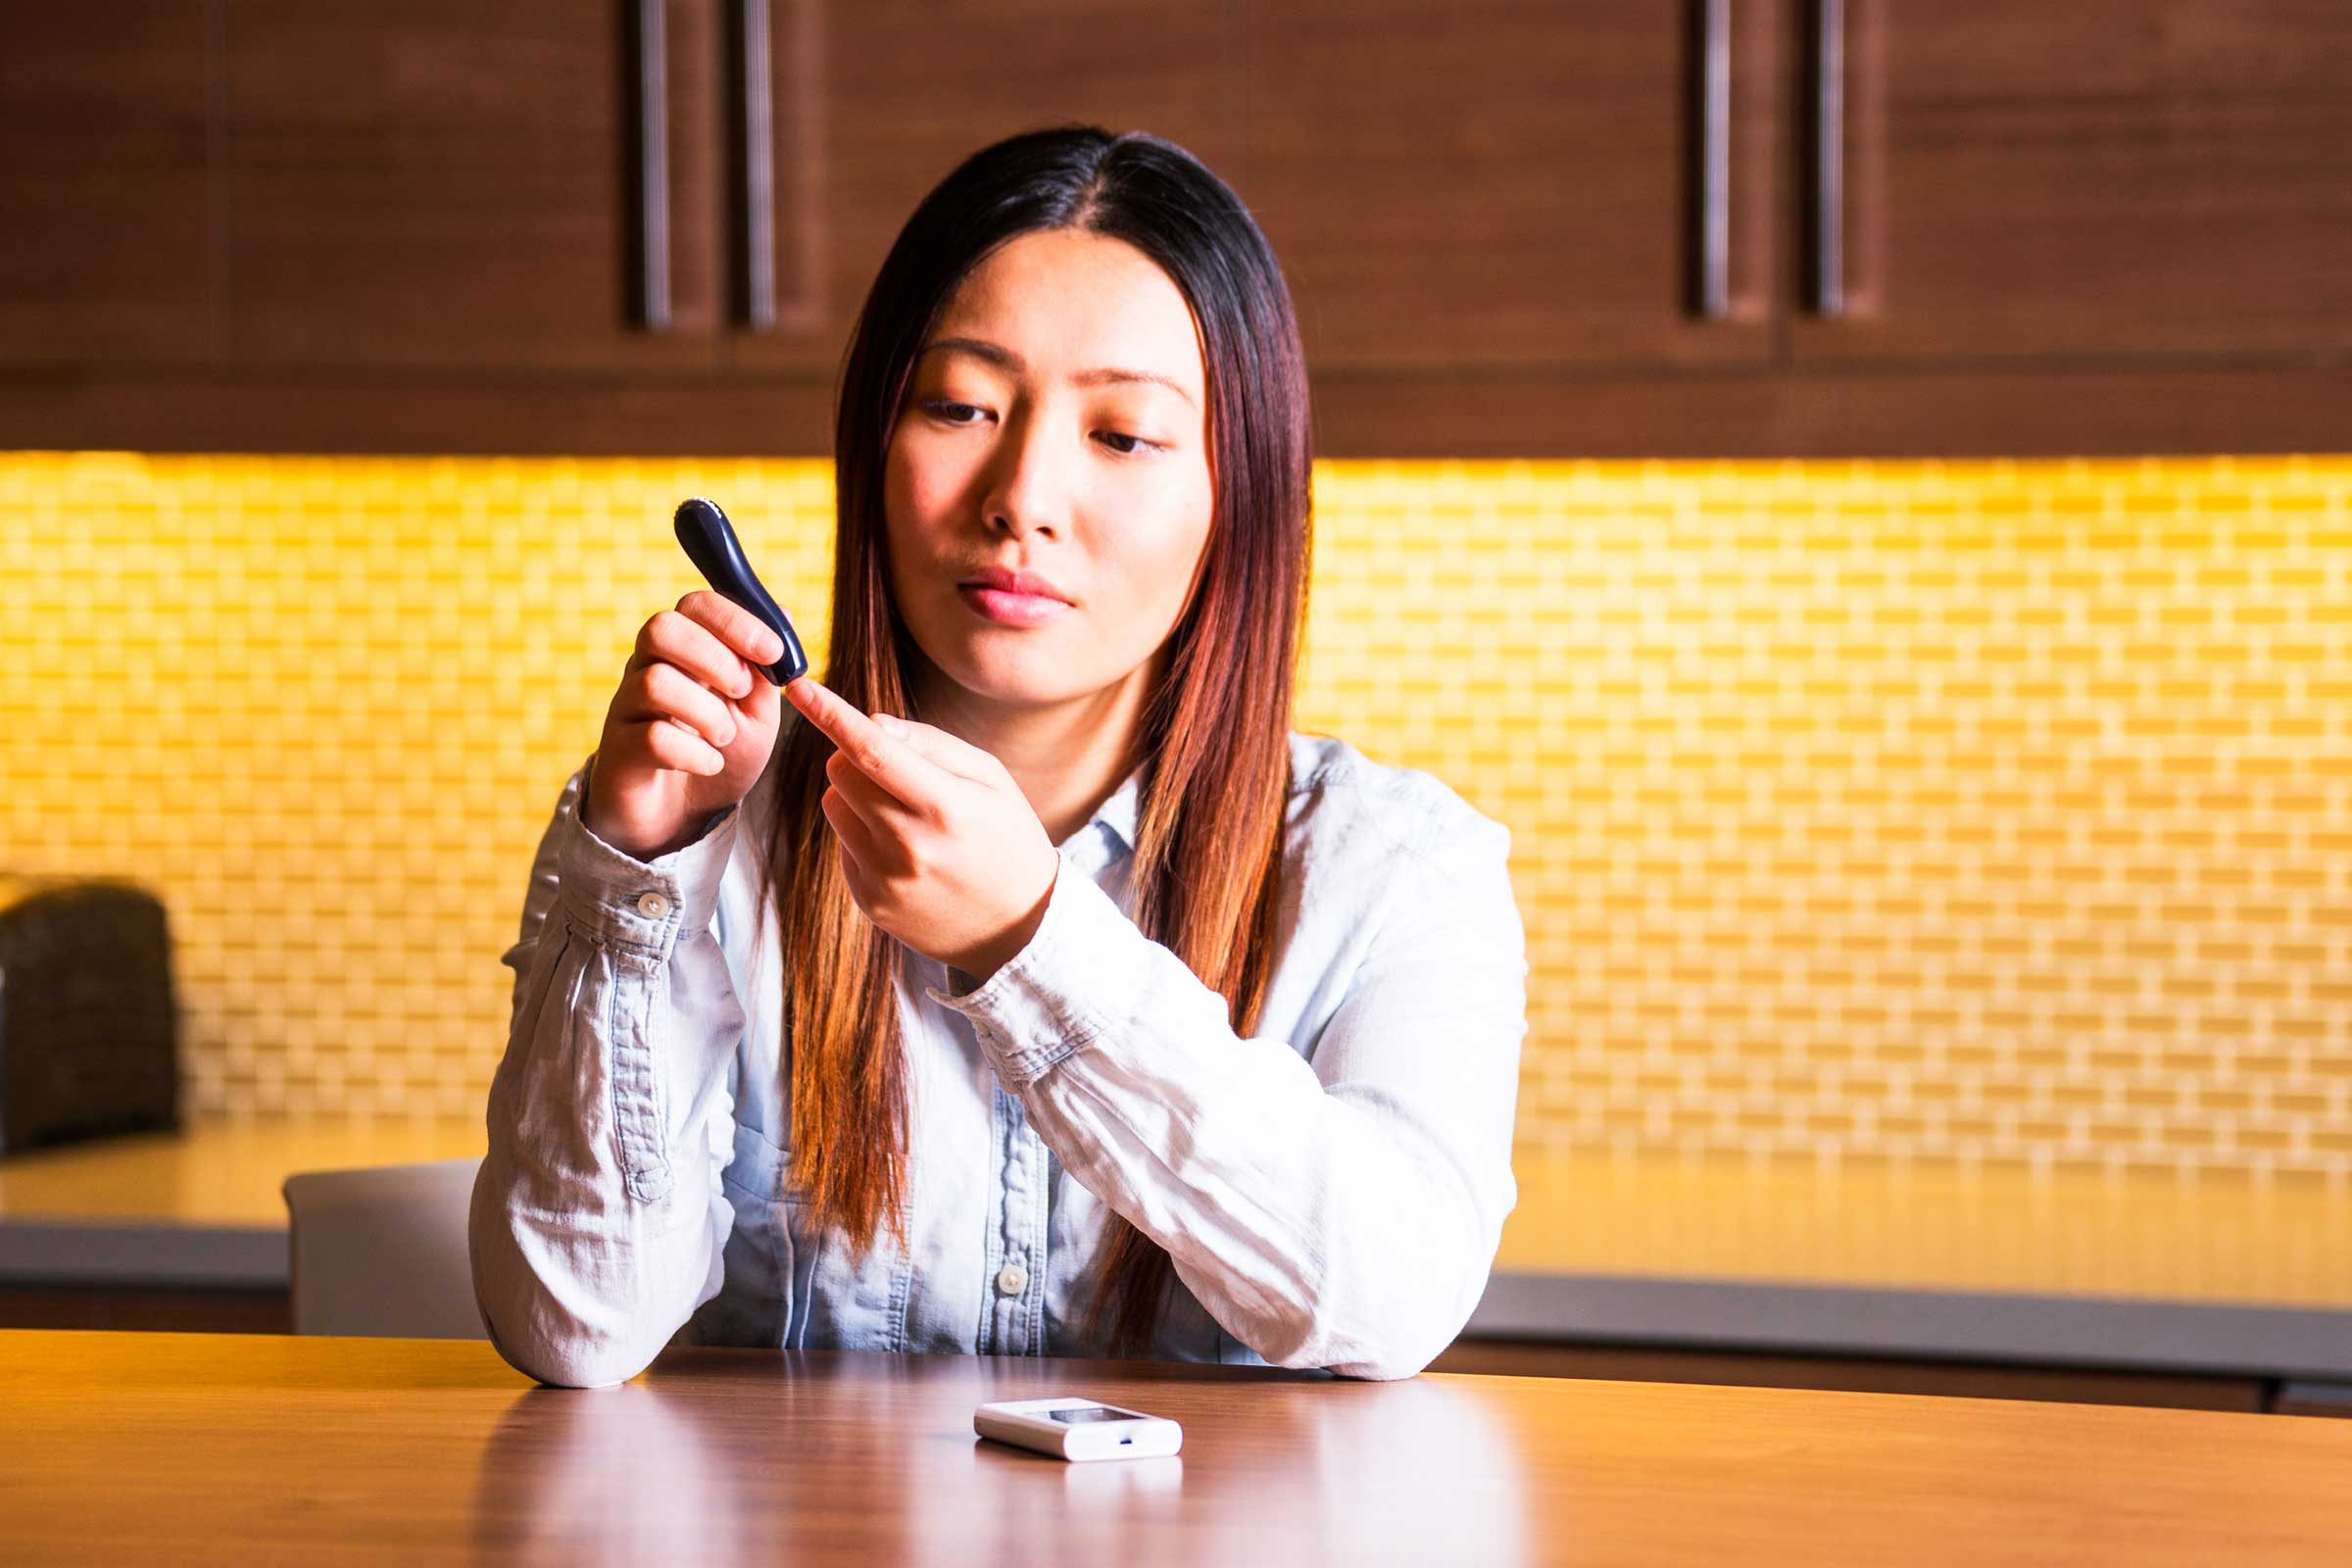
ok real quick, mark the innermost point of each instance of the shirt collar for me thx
(1118, 813)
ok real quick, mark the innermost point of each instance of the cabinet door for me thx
(2105, 177)
(106, 197)
(452, 184)
(874, 101)
(1510, 185)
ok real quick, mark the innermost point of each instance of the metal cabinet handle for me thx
(653, 165)
(1714, 148)
(1829, 157)
(758, 171)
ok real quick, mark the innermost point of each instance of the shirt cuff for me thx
(1040, 1008)
(617, 898)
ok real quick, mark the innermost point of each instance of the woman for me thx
(1070, 1003)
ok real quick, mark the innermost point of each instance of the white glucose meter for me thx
(1072, 1428)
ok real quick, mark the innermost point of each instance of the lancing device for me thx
(710, 543)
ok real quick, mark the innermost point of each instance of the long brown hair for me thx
(1213, 736)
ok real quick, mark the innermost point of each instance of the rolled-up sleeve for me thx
(598, 1223)
(1339, 1209)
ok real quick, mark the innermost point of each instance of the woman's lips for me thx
(1011, 610)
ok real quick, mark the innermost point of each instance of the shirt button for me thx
(652, 905)
(1013, 1279)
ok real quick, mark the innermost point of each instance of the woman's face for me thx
(1054, 424)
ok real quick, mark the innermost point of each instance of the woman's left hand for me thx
(941, 848)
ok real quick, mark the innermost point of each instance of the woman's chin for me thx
(1020, 682)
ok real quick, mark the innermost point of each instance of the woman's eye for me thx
(948, 412)
(1138, 443)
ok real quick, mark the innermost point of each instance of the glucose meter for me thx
(1072, 1428)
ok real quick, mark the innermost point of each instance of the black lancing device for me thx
(710, 543)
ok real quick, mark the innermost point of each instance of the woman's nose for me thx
(1030, 485)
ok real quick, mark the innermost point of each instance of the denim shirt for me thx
(1332, 1189)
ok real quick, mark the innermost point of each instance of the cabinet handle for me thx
(1829, 157)
(1715, 158)
(758, 171)
(653, 165)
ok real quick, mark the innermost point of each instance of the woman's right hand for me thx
(689, 732)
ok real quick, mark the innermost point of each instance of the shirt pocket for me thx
(755, 1305)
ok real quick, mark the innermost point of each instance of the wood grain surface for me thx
(129, 1448)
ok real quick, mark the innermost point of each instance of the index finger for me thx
(743, 632)
(876, 753)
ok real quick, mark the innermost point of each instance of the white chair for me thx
(381, 1250)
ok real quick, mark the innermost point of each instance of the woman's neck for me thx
(1068, 758)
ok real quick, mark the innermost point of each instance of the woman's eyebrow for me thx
(1109, 373)
(996, 354)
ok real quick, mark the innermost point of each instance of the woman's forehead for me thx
(1068, 305)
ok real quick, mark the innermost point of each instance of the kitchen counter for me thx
(2077, 1267)
(199, 1208)
(2223, 1275)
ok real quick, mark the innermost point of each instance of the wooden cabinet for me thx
(431, 183)
(107, 187)
(871, 104)
(2107, 178)
(1589, 227)
(145, 1309)
(454, 186)
(2001, 229)
(1968, 1380)
(1460, 187)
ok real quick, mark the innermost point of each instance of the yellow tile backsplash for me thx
(1994, 812)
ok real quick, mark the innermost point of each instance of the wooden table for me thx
(181, 1448)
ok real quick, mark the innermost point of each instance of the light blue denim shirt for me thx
(1332, 1189)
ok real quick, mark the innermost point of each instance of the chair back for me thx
(381, 1250)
